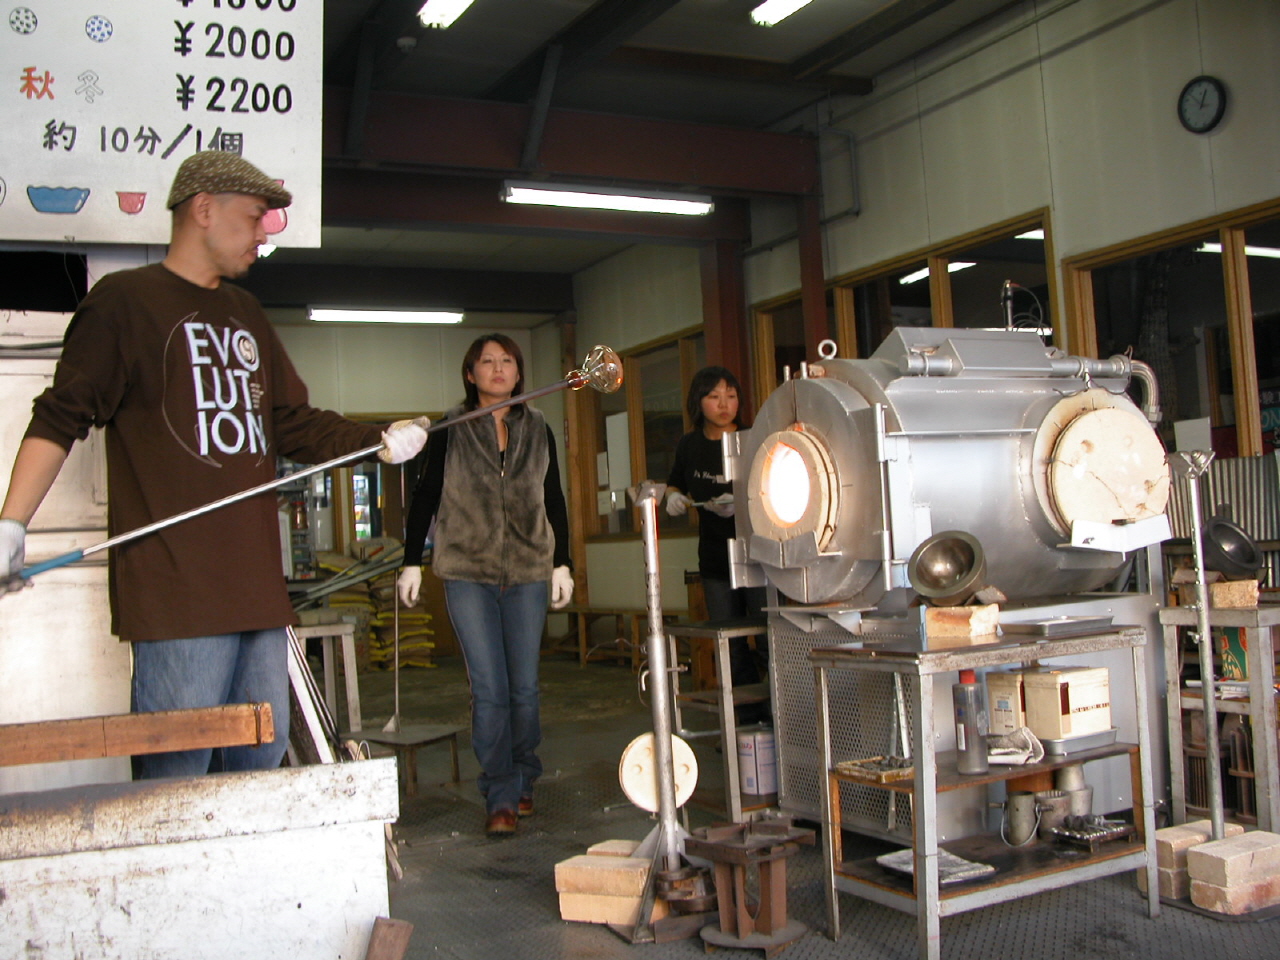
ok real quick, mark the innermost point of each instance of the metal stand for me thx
(1192, 465)
(666, 841)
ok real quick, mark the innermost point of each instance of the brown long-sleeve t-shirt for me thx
(197, 398)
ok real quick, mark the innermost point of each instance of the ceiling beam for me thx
(877, 28)
(373, 198)
(541, 107)
(600, 29)
(740, 69)
(386, 22)
(486, 137)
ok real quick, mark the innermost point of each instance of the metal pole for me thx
(646, 499)
(1192, 465)
(601, 370)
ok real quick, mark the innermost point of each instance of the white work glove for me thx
(13, 552)
(409, 585)
(721, 506)
(677, 503)
(561, 587)
(403, 440)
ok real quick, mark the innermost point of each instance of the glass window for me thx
(662, 391)
(1262, 253)
(613, 462)
(978, 277)
(788, 341)
(897, 299)
(1168, 310)
(638, 427)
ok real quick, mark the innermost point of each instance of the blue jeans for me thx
(500, 632)
(249, 667)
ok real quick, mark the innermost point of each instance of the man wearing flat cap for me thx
(197, 398)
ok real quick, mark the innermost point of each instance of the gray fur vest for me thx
(491, 526)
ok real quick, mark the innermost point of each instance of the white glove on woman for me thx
(13, 552)
(409, 585)
(561, 587)
(721, 506)
(677, 503)
(403, 440)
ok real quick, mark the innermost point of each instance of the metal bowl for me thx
(948, 567)
(1230, 551)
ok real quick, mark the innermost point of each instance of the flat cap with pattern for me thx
(217, 171)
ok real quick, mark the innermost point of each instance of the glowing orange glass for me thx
(785, 484)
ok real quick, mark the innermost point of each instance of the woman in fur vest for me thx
(501, 547)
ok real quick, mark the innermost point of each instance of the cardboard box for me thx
(757, 762)
(1006, 709)
(1068, 701)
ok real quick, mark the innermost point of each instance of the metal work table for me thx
(1020, 873)
(1260, 707)
(721, 702)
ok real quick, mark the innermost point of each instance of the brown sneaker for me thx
(500, 823)
(525, 809)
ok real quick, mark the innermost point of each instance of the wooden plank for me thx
(88, 738)
(389, 940)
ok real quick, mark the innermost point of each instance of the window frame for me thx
(1081, 320)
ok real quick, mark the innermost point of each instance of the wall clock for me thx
(1202, 103)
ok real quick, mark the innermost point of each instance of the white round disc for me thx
(638, 772)
(1108, 465)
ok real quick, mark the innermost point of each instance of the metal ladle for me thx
(602, 370)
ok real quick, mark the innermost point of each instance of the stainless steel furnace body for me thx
(860, 474)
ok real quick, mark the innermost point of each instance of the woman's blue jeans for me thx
(249, 667)
(500, 632)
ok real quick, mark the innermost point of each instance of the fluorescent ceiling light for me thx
(1272, 252)
(1031, 235)
(334, 315)
(605, 198)
(923, 272)
(441, 13)
(775, 11)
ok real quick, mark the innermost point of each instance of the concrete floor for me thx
(472, 898)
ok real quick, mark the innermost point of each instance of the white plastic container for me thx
(757, 762)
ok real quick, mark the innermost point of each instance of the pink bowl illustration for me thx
(131, 201)
(276, 220)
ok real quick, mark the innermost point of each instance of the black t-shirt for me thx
(698, 471)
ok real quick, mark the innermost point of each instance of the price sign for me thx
(101, 101)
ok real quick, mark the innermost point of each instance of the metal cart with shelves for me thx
(721, 700)
(1259, 707)
(1019, 872)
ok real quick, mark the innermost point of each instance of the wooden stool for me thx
(327, 634)
(406, 742)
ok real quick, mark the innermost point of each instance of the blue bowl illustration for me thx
(58, 199)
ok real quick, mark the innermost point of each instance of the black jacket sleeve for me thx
(553, 499)
(426, 499)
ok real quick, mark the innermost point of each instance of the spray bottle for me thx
(971, 724)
